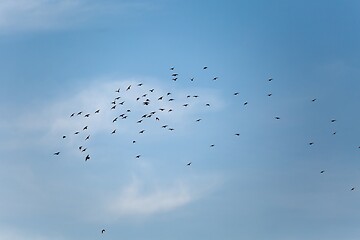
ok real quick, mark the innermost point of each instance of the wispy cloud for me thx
(30, 15)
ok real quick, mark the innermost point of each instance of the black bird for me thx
(113, 102)
(191, 79)
(352, 189)
(205, 67)
(87, 137)
(128, 110)
(171, 99)
(57, 153)
(79, 113)
(113, 107)
(134, 141)
(185, 105)
(64, 136)
(128, 88)
(122, 115)
(152, 90)
(322, 171)
(313, 100)
(117, 98)
(84, 149)
(170, 110)
(215, 78)
(237, 134)
(144, 116)
(333, 120)
(102, 231)
(140, 84)
(174, 79)
(195, 96)
(87, 115)
(168, 93)
(198, 120)
(86, 127)
(113, 131)
(212, 145)
(139, 121)
(269, 95)
(235, 94)
(171, 129)
(172, 68)
(122, 103)
(146, 103)
(188, 96)
(277, 118)
(137, 156)
(162, 109)
(165, 126)
(270, 79)
(245, 103)
(142, 131)
(97, 111)
(174, 74)
(208, 104)
(72, 114)
(334, 133)
(188, 164)
(115, 119)
(160, 98)
(144, 95)
(76, 133)
(118, 90)
(87, 157)
(311, 143)
(157, 119)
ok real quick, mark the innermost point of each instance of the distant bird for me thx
(114, 120)
(133, 141)
(245, 103)
(79, 113)
(170, 110)
(113, 131)
(168, 93)
(144, 116)
(208, 104)
(215, 78)
(56, 153)
(128, 110)
(322, 171)
(270, 79)
(172, 68)
(277, 118)
(269, 95)
(196, 96)
(139, 121)
(205, 67)
(113, 107)
(87, 157)
(146, 103)
(64, 136)
(117, 98)
(102, 231)
(80, 147)
(198, 120)
(313, 100)
(188, 164)
(334, 133)
(311, 143)
(122, 103)
(174, 79)
(160, 98)
(165, 126)
(157, 119)
(185, 105)
(352, 189)
(113, 102)
(175, 74)
(97, 111)
(140, 84)
(152, 90)
(212, 145)
(137, 156)
(162, 109)
(191, 79)
(76, 133)
(137, 99)
(237, 134)
(333, 120)
(87, 115)
(144, 95)
(235, 94)
(86, 127)
(84, 149)
(171, 99)
(188, 96)
(122, 115)
(142, 131)
(118, 90)
(87, 137)
(171, 129)
(72, 114)
(128, 88)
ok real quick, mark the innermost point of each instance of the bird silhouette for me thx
(186, 104)
(72, 114)
(83, 150)
(208, 104)
(79, 113)
(245, 103)
(237, 93)
(270, 79)
(205, 67)
(269, 95)
(311, 143)
(87, 137)
(128, 88)
(140, 84)
(352, 189)
(87, 157)
(322, 171)
(133, 141)
(237, 134)
(212, 145)
(137, 156)
(113, 131)
(198, 120)
(162, 109)
(160, 98)
(64, 136)
(191, 79)
(103, 231)
(56, 153)
(115, 119)
(137, 99)
(333, 120)
(171, 129)
(172, 68)
(215, 78)
(139, 121)
(152, 90)
(165, 126)
(188, 164)
(118, 90)
(313, 100)
(169, 93)
(113, 107)
(277, 118)
(87, 115)
(97, 111)
(142, 131)
(76, 133)
(174, 74)
(171, 99)
(86, 127)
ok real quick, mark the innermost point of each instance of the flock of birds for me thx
(118, 107)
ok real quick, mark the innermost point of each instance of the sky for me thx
(287, 178)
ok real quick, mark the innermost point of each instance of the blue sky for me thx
(60, 56)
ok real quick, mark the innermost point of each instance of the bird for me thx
(162, 109)
(191, 79)
(128, 110)
(188, 96)
(175, 74)
(269, 95)
(133, 141)
(237, 134)
(113, 107)
(165, 126)
(87, 157)
(237, 93)
(334, 133)
(64, 136)
(56, 153)
(333, 120)
(140, 84)
(205, 67)
(186, 104)
(79, 113)
(97, 111)
(215, 78)
(245, 103)
(113, 131)
(212, 145)
(137, 156)
(86, 127)
(118, 90)
(157, 119)
(115, 119)
(122, 103)
(311, 143)
(146, 103)
(170, 110)
(174, 79)
(113, 102)
(80, 148)
(87, 137)
(144, 95)
(169, 93)
(322, 171)
(171, 129)
(117, 98)
(128, 88)
(171, 99)
(196, 96)
(87, 115)
(137, 99)
(103, 231)
(198, 120)
(208, 104)
(152, 90)
(352, 189)
(313, 100)
(76, 133)
(72, 114)
(139, 121)
(142, 131)
(172, 68)
(270, 79)
(277, 118)
(84, 149)
(160, 98)
(188, 164)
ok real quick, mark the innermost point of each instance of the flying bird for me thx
(102, 231)
(87, 157)
(97, 111)
(237, 93)
(87, 115)
(142, 131)
(245, 103)
(313, 100)
(64, 136)
(270, 79)
(165, 126)
(72, 114)
(128, 88)
(87, 137)
(137, 156)
(76, 133)
(191, 79)
(277, 118)
(168, 93)
(205, 67)
(171, 129)
(160, 98)
(170, 110)
(311, 143)
(237, 134)
(114, 120)
(352, 189)
(212, 145)
(113, 107)
(269, 95)
(215, 78)
(172, 68)
(152, 90)
(118, 90)
(322, 171)
(56, 153)
(113, 131)
(140, 84)
(198, 120)
(86, 127)
(171, 99)
(333, 120)
(185, 105)
(79, 113)
(188, 164)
